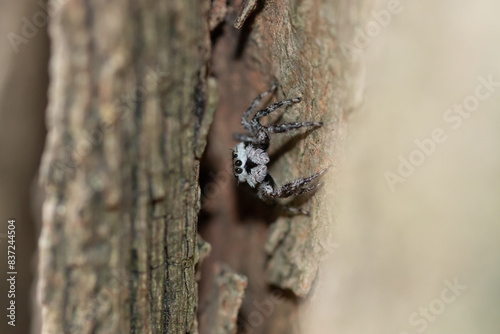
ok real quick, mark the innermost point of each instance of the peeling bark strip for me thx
(247, 8)
(127, 123)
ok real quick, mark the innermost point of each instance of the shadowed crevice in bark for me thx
(296, 43)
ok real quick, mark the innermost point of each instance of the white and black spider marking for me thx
(250, 158)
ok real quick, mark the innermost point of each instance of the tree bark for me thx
(129, 111)
(298, 43)
(127, 124)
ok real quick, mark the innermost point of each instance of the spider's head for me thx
(240, 156)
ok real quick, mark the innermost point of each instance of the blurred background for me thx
(418, 243)
(23, 98)
(417, 224)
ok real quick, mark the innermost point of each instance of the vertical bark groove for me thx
(126, 124)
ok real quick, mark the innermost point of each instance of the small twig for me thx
(246, 9)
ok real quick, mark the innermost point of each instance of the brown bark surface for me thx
(298, 43)
(127, 124)
(130, 107)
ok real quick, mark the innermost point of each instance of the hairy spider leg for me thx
(262, 138)
(269, 190)
(244, 120)
(243, 137)
(264, 112)
(280, 128)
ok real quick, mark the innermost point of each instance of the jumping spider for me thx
(250, 157)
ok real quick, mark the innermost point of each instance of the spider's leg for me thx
(280, 128)
(244, 120)
(259, 140)
(242, 137)
(299, 211)
(269, 190)
(271, 108)
(310, 188)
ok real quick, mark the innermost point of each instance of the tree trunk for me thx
(126, 128)
(130, 105)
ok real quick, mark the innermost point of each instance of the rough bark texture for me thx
(221, 311)
(130, 107)
(298, 43)
(126, 128)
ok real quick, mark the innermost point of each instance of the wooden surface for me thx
(130, 106)
(126, 125)
(298, 44)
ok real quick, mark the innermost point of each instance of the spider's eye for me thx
(238, 170)
(238, 163)
(235, 155)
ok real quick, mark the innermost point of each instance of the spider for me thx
(250, 157)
